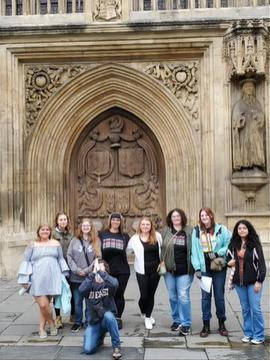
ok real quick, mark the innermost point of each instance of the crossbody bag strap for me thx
(85, 254)
(41, 253)
(168, 245)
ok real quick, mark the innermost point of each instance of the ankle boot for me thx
(222, 328)
(206, 329)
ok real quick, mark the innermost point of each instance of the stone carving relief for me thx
(40, 84)
(246, 48)
(107, 10)
(182, 81)
(117, 171)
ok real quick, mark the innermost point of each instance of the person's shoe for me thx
(153, 321)
(71, 320)
(143, 315)
(206, 329)
(184, 330)
(175, 326)
(119, 323)
(58, 322)
(117, 352)
(222, 328)
(246, 339)
(75, 327)
(148, 323)
(53, 330)
(256, 342)
(42, 333)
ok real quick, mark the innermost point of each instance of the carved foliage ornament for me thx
(40, 84)
(107, 10)
(246, 48)
(182, 81)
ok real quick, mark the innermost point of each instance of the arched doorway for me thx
(117, 165)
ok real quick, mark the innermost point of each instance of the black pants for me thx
(119, 296)
(148, 285)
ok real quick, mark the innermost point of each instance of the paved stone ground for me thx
(19, 338)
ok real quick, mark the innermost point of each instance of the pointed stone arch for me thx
(71, 108)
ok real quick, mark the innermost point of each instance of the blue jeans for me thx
(78, 306)
(218, 286)
(253, 324)
(178, 288)
(93, 333)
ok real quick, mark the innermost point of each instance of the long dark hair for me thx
(252, 239)
(182, 214)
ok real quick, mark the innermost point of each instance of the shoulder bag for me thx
(161, 269)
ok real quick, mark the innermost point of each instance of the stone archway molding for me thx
(72, 107)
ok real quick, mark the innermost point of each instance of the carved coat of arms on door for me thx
(117, 171)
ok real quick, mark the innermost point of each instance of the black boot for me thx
(222, 328)
(206, 329)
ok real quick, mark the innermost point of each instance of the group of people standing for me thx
(96, 267)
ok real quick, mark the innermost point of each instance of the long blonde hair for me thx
(93, 235)
(152, 234)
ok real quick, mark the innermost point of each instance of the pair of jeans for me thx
(94, 333)
(253, 324)
(218, 286)
(78, 307)
(178, 288)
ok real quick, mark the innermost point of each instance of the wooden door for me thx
(117, 165)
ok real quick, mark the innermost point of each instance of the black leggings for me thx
(119, 296)
(148, 286)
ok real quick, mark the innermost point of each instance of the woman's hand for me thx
(231, 263)
(257, 287)
(82, 273)
(25, 286)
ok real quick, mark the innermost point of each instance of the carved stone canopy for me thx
(246, 48)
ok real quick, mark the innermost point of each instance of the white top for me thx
(135, 245)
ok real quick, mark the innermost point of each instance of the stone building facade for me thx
(132, 106)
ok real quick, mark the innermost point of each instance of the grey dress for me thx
(43, 267)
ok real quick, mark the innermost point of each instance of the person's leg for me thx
(206, 302)
(109, 324)
(153, 283)
(143, 283)
(78, 303)
(170, 282)
(219, 279)
(119, 296)
(86, 312)
(255, 305)
(45, 311)
(91, 338)
(246, 310)
(183, 284)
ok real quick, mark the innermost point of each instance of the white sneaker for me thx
(246, 339)
(257, 342)
(153, 321)
(148, 323)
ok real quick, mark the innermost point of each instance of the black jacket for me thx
(96, 292)
(254, 268)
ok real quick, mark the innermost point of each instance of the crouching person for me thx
(100, 288)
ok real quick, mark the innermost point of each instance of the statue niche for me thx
(248, 131)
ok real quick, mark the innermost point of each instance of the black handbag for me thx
(99, 309)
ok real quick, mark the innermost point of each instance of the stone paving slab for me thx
(246, 353)
(29, 353)
(174, 354)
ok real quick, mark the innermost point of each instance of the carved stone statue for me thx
(248, 131)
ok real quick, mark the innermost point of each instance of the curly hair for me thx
(55, 223)
(152, 234)
(93, 235)
(252, 239)
(210, 213)
(181, 213)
